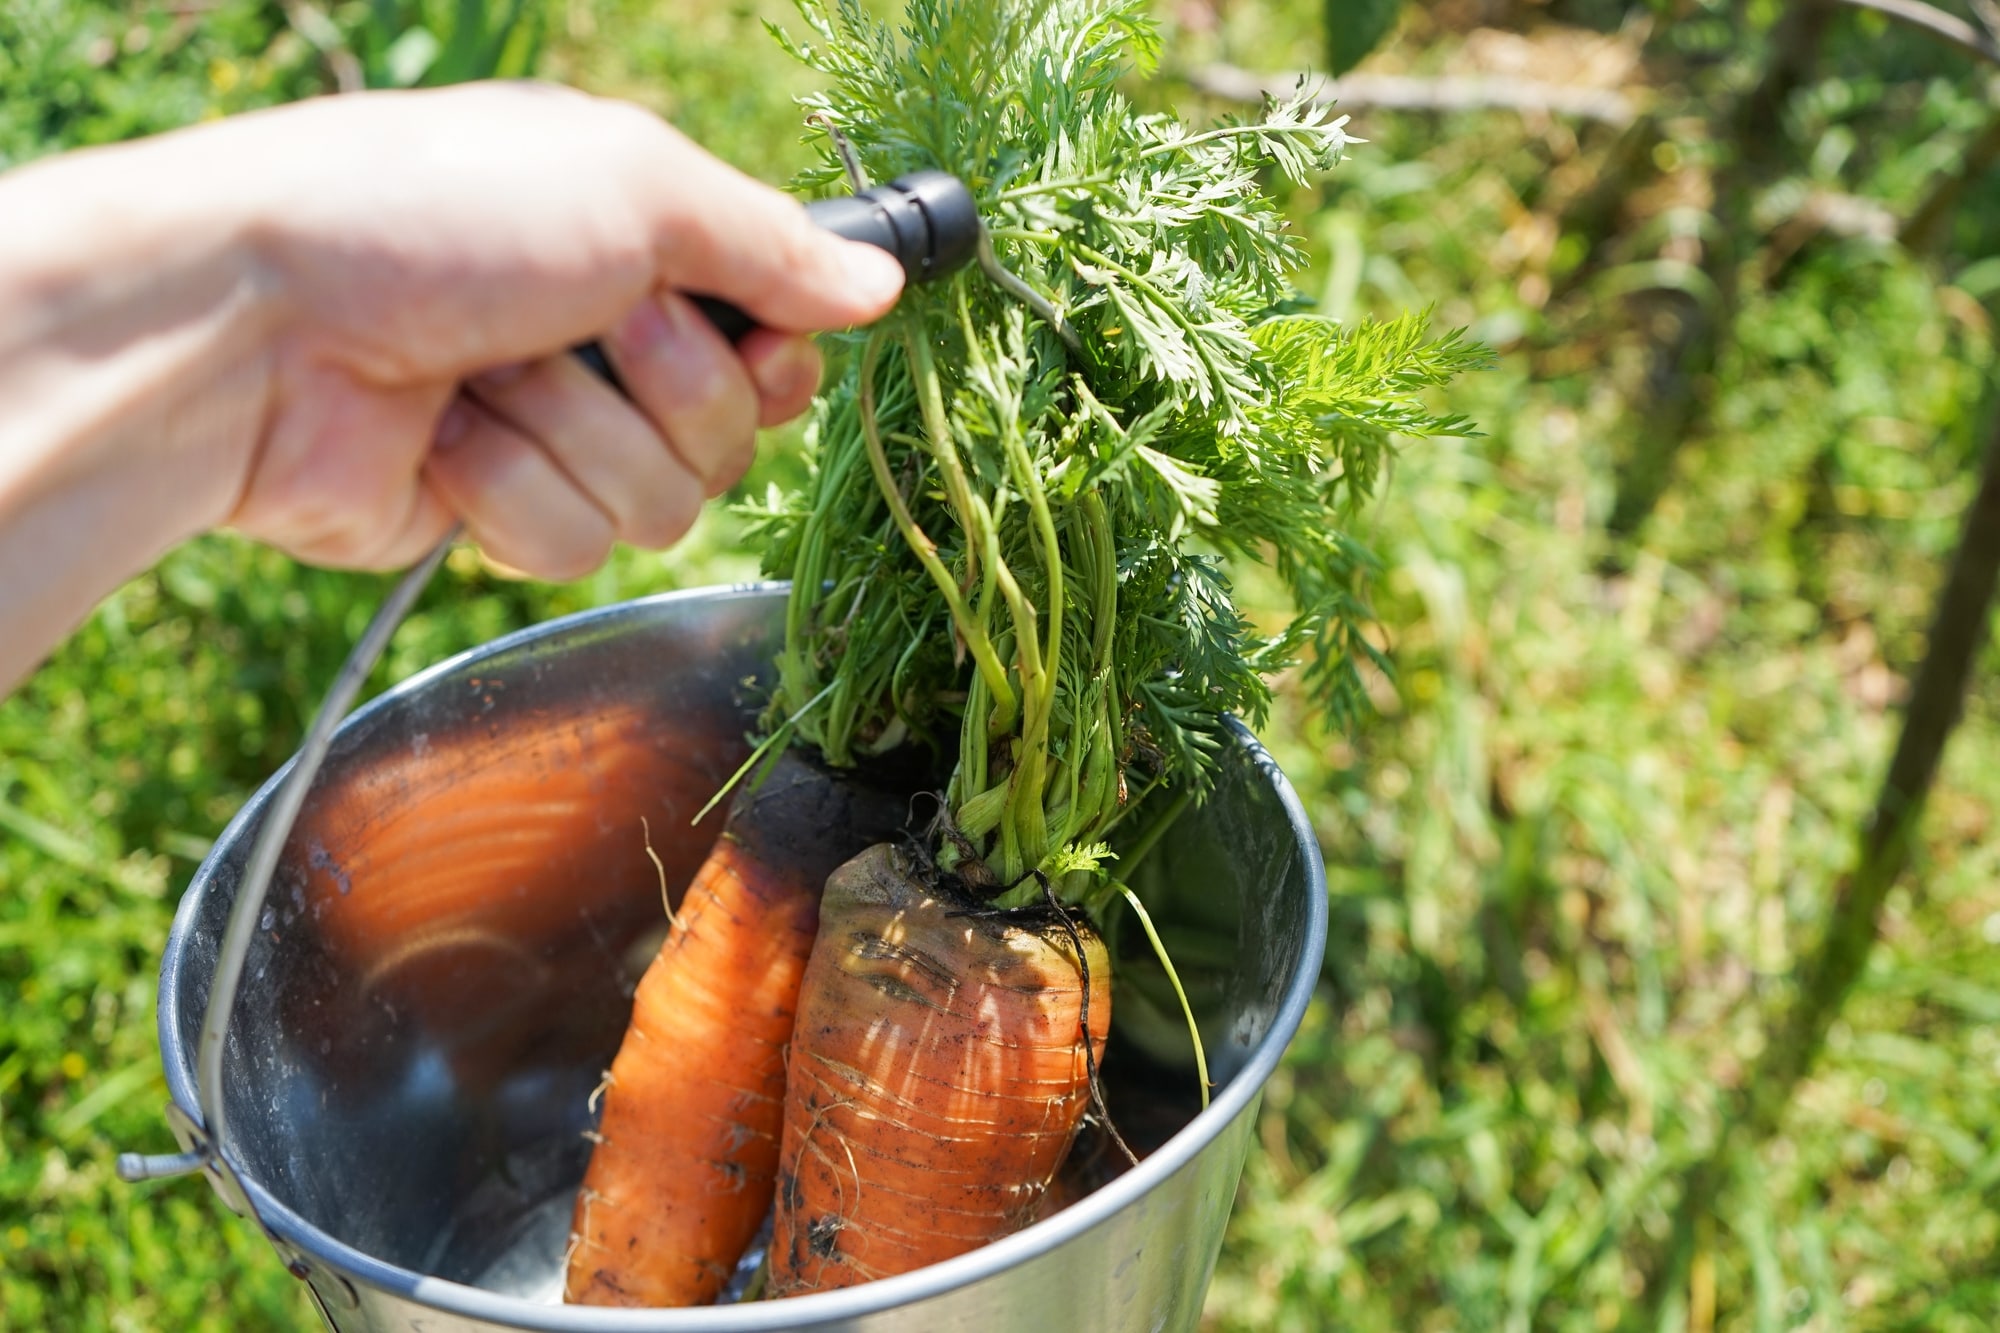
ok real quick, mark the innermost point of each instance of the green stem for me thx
(1033, 188)
(973, 741)
(1024, 826)
(1027, 643)
(938, 442)
(1156, 830)
(1094, 732)
(1023, 234)
(768, 748)
(1128, 806)
(1024, 831)
(1187, 1010)
(969, 629)
(1170, 309)
(1099, 783)
(1022, 468)
(1206, 136)
(1104, 572)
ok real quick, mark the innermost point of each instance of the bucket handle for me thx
(206, 1139)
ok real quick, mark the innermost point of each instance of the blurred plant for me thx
(1577, 856)
(1578, 861)
(412, 43)
(78, 74)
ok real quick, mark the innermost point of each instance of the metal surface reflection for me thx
(446, 962)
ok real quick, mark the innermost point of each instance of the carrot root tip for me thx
(666, 899)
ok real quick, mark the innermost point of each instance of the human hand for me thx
(341, 326)
(434, 253)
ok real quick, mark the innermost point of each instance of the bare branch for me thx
(1844, 215)
(1936, 22)
(324, 36)
(1961, 627)
(1825, 213)
(1988, 14)
(1402, 92)
(1675, 398)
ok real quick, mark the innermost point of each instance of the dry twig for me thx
(324, 36)
(1402, 92)
(1938, 23)
(1825, 213)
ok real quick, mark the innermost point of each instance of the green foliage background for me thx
(1576, 854)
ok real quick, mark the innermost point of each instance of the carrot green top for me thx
(1015, 537)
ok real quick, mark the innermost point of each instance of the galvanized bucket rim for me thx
(797, 1312)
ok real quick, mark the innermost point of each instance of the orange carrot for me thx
(938, 1075)
(681, 1177)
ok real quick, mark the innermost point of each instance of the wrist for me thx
(136, 313)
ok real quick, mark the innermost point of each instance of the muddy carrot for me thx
(938, 1075)
(681, 1175)
(1063, 449)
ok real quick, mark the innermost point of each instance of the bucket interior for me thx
(446, 963)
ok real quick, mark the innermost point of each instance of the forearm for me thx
(135, 322)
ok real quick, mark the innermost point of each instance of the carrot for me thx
(1061, 458)
(687, 1150)
(937, 1077)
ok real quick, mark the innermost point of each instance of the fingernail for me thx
(452, 426)
(790, 369)
(873, 276)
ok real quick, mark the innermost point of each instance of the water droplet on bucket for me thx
(269, 919)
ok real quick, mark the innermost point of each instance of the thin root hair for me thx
(666, 899)
(1083, 1018)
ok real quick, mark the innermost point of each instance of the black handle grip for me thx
(927, 220)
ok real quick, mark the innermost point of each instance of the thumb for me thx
(727, 235)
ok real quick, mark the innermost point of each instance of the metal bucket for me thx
(444, 966)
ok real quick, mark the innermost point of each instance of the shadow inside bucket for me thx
(511, 1233)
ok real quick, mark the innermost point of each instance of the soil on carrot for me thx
(938, 1073)
(681, 1174)
(1009, 549)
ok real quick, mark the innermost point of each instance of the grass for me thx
(1576, 857)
